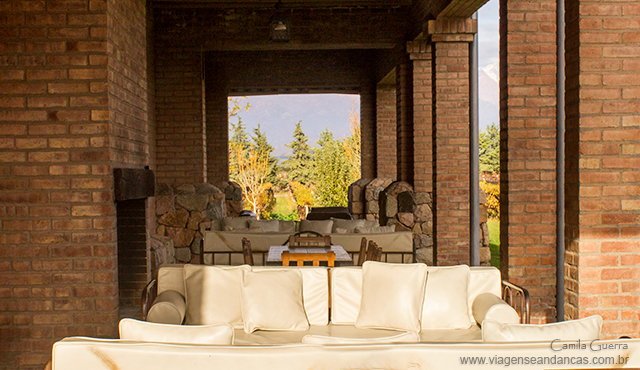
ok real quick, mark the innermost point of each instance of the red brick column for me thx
(528, 134)
(404, 129)
(421, 55)
(72, 106)
(180, 132)
(368, 129)
(451, 40)
(217, 132)
(603, 164)
(386, 142)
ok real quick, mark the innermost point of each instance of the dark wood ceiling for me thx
(283, 3)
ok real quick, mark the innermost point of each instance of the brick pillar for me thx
(180, 140)
(451, 38)
(421, 55)
(404, 129)
(386, 142)
(528, 150)
(217, 128)
(368, 130)
(603, 164)
(72, 106)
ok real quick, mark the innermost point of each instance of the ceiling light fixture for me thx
(280, 25)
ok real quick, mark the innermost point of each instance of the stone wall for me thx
(396, 203)
(184, 213)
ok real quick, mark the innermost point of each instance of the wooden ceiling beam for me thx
(299, 4)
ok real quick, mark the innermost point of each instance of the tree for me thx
(332, 171)
(249, 170)
(260, 144)
(490, 149)
(352, 144)
(299, 163)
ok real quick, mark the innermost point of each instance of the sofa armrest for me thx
(149, 294)
(491, 307)
(518, 297)
(169, 307)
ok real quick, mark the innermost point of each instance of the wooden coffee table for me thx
(275, 252)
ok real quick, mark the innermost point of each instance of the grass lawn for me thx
(494, 241)
(284, 203)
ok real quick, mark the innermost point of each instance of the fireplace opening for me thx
(132, 250)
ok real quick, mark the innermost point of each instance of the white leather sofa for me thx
(332, 302)
(380, 316)
(222, 243)
(96, 354)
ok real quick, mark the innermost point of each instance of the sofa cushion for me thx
(375, 229)
(266, 225)
(168, 308)
(236, 222)
(392, 295)
(346, 294)
(347, 225)
(583, 329)
(221, 334)
(272, 300)
(315, 291)
(446, 298)
(406, 337)
(287, 226)
(213, 294)
(322, 227)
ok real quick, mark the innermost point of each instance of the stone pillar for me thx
(603, 165)
(451, 38)
(528, 150)
(386, 142)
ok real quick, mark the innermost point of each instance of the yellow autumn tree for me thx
(250, 168)
(352, 144)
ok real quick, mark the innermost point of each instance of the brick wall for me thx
(57, 247)
(179, 134)
(386, 147)
(217, 128)
(404, 121)
(368, 129)
(603, 164)
(528, 134)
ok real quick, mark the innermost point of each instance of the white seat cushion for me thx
(583, 329)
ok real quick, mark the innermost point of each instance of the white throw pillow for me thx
(583, 329)
(266, 225)
(320, 226)
(348, 225)
(220, 334)
(213, 294)
(407, 337)
(446, 298)
(272, 300)
(392, 296)
(375, 229)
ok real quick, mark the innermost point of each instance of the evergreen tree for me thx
(333, 172)
(299, 163)
(490, 149)
(238, 145)
(239, 134)
(261, 145)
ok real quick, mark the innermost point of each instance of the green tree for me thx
(490, 149)
(260, 144)
(352, 144)
(299, 164)
(333, 172)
